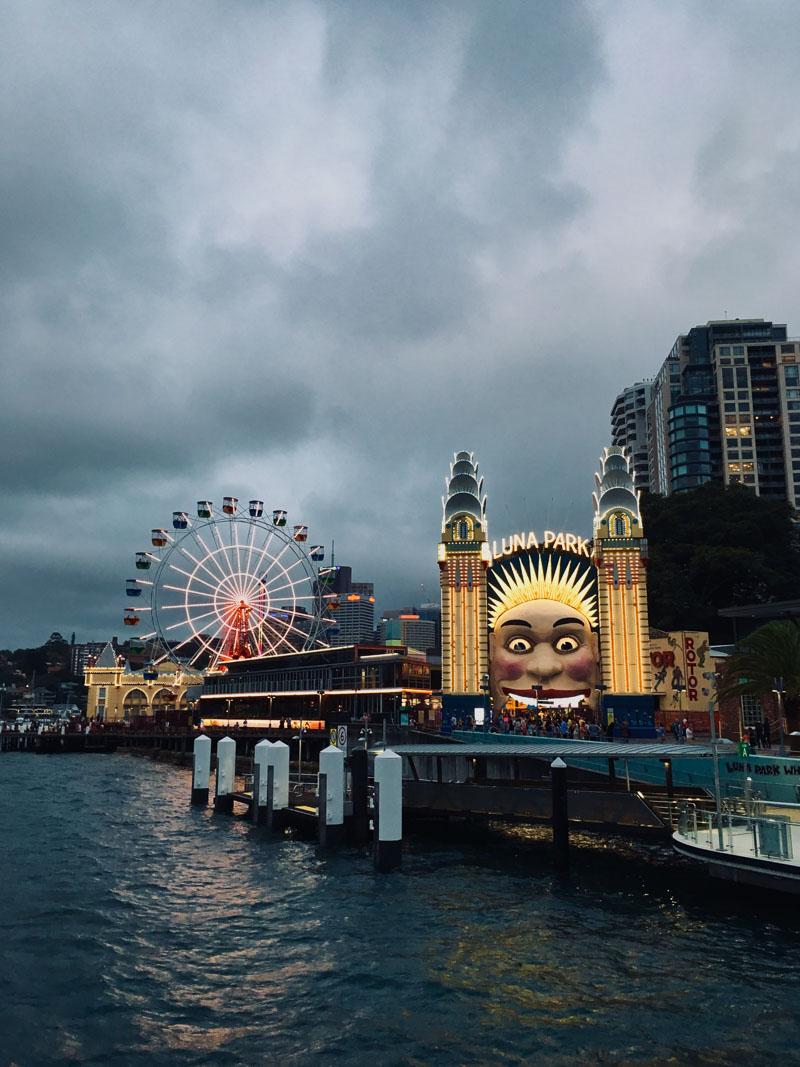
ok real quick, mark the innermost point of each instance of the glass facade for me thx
(689, 446)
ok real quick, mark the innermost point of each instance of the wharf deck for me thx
(550, 750)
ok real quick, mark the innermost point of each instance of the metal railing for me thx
(750, 833)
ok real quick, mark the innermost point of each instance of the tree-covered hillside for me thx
(712, 548)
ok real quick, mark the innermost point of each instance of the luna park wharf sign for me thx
(555, 540)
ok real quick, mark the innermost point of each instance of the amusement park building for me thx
(336, 685)
(118, 694)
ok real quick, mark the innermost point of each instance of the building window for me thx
(101, 693)
(751, 710)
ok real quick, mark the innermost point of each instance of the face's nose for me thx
(543, 662)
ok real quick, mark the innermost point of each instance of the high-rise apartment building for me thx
(724, 406)
(629, 428)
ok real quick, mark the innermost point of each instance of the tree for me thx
(769, 654)
(714, 547)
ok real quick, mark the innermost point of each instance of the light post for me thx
(536, 692)
(778, 691)
(677, 689)
(487, 706)
(712, 677)
(601, 688)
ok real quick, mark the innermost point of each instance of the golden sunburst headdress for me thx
(567, 581)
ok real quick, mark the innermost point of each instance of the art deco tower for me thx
(463, 559)
(620, 554)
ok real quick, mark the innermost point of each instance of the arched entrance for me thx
(135, 705)
(165, 701)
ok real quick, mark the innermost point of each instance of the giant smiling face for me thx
(543, 643)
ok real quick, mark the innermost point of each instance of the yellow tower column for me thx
(620, 554)
(463, 560)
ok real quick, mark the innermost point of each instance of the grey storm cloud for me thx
(306, 250)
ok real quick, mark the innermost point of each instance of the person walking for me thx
(765, 733)
(625, 731)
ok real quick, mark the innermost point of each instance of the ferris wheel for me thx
(226, 584)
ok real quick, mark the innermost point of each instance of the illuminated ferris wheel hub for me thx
(229, 584)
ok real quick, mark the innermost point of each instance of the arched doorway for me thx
(135, 705)
(164, 703)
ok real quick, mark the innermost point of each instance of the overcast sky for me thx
(305, 251)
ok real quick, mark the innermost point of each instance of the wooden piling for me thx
(558, 777)
(359, 820)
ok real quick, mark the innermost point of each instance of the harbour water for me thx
(140, 931)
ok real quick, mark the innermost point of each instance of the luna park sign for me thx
(552, 539)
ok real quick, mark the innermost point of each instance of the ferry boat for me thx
(756, 845)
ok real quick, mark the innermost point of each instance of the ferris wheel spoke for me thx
(210, 553)
(292, 583)
(201, 564)
(235, 531)
(276, 560)
(264, 549)
(281, 638)
(250, 540)
(294, 628)
(223, 548)
(285, 568)
(192, 577)
(187, 591)
(191, 619)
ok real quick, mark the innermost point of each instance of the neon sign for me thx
(523, 542)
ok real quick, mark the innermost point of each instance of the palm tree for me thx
(771, 652)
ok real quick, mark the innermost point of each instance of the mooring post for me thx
(558, 776)
(270, 816)
(389, 814)
(331, 797)
(260, 762)
(201, 769)
(280, 761)
(226, 772)
(360, 818)
(612, 773)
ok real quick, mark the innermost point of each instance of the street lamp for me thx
(677, 689)
(601, 688)
(712, 677)
(487, 706)
(778, 691)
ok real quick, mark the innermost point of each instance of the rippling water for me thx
(140, 931)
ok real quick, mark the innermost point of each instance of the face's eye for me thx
(567, 643)
(519, 645)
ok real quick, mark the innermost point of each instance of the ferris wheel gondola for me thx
(229, 584)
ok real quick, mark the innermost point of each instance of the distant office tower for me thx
(629, 428)
(725, 407)
(464, 556)
(620, 554)
(356, 618)
(355, 606)
(408, 629)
